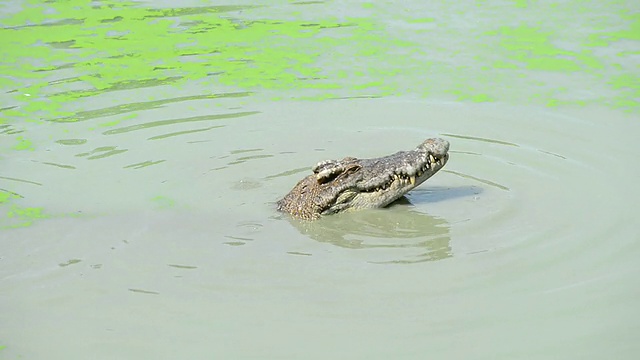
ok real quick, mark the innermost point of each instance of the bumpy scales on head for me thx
(350, 183)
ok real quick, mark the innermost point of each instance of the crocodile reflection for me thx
(408, 236)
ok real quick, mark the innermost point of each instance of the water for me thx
(138, 208)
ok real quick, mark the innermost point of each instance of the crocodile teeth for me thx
(431, 158)
(412, 179)
(419, 173)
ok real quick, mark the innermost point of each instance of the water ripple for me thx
(153, 124)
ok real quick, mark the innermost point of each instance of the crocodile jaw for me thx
(351, 183)
(381, 194)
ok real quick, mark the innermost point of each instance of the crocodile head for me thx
(350, 183)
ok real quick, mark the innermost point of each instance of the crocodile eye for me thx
(326, 176)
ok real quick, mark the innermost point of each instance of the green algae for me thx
(23, 144)
(521, 3)
(163, 202)
(5, 196)
(120, 46)
(531, 47)
(24, 216)
(59, 56)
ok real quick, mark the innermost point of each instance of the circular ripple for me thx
(520, 180)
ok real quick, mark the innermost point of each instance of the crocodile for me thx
(351, 183)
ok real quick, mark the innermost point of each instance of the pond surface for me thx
(144, 147)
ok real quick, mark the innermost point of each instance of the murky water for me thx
(138, 211)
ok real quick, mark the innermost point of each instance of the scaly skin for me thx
(350, 183)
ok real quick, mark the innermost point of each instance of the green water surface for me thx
(59, 55)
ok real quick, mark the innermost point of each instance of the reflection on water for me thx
(101, 152)
(192, 119)
(431, 194)
(130, 107)
(143, 164)
(419, 237)
(484, 181)
(492, 141)
(400, 232)
(71, 141)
